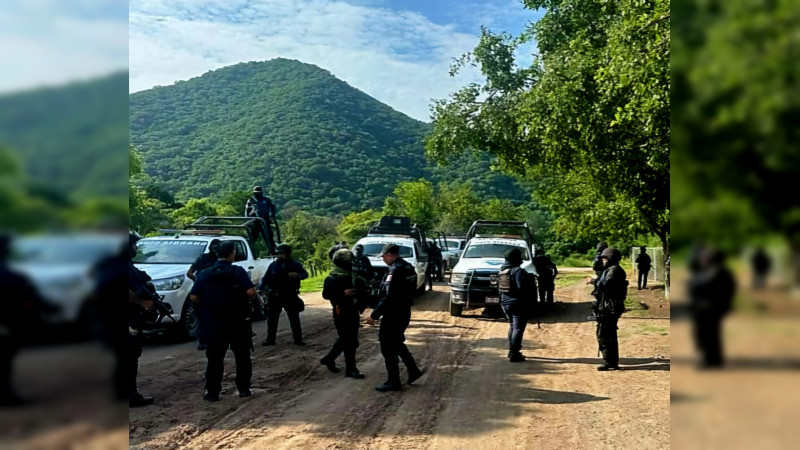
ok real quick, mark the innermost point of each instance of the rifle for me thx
(142, 317)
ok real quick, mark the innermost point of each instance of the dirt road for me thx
(470, 397)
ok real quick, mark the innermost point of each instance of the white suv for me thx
(410, 250)
(473, 281)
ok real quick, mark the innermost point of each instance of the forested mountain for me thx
(310, 139)
(71, 140)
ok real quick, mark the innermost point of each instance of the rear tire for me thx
(456, 310)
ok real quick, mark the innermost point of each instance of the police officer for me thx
(611, 290)
(361, 264)
(597, 263)
(222, 294)
(342, 288)
(517, 297)
(202, 262)
(22, 311)
(339, 245)
(140, 300)
(547, 275)
(643, 264)
(711, 290)
(282, 280)
(261, 206)
(761, 265)
(434, 268)
(394, 311)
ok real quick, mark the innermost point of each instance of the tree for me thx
(590, 116)
(355, 225)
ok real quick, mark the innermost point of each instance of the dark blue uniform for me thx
(203, 261)
(394, 309)
(346, 312)
(518, 305)
(363, 268)
(283, 295)
(261, 206)
(547, 276)
(223, 311)
(643, 264)
(611, 290)
(110, 275)
(137, 283)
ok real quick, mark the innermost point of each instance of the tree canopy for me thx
(587, 123)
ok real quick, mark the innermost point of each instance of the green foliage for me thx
(73, 137)
(355, 225)
(587, 123)
(416, 200)
(312, 141)
(308, 235)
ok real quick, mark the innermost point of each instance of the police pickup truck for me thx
(400, 231)
(167, 259)
(473, 280)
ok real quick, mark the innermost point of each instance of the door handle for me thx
(251, 267)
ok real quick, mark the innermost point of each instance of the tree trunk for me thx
(664, 236)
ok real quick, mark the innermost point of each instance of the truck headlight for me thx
(169, 284)
(459, 278)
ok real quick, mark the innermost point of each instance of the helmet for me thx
(514, 256)
(358, 250)
(601, 246)
(214, 244)
(286, 249)
(133, 238)
(343, 258)
(613, 255)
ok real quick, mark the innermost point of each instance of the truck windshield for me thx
(159, 251)
(492, 251)
(455, 245)
(374, 249)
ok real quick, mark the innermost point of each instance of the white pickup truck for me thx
(167, 259)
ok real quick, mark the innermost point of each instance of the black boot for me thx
(330, 364)
(414, 375)
(516, 357)
(136, 400)
(389, 386)
(354, 373)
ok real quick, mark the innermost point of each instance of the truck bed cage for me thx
(500, 229)
(397, 226)
(216, 226)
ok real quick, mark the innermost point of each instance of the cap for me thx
(257, 189)
(390, 248)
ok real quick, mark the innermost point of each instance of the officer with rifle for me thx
(142, 299)
(222, 297)
(611, 288)
(518, 299)
(346, 291)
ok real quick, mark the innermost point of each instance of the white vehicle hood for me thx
(161, 271)
(467, 264)
(377, 261)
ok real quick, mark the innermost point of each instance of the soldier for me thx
(434, 268)
(22, 312)
(517, 297)
(597, 263)
(394, 311)
(222, 294)
(342, 288)
(547, 275)
(141, 296)
(611, 289)
(711, 290)
(643, 263)
(282, 281)
(260, 206)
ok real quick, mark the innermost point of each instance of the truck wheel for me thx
(455, 310)
(189, 321)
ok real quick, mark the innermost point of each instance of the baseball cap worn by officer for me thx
(394, 249)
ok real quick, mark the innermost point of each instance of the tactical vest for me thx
(505, 283)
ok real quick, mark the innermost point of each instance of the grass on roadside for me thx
(569, 279)
(312, 284)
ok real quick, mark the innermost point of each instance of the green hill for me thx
(71, 140)
(310, 139)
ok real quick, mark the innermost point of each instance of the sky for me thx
(398, 51)
(53, 42)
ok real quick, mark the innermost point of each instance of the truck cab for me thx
(473, 280)
(397, 230)
(166, 259)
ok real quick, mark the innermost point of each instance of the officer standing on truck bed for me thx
(222, 296)
(394, 311)
(261, 206)
(611, 289)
